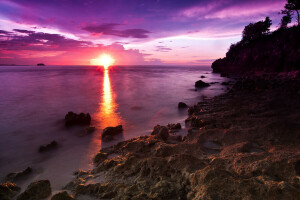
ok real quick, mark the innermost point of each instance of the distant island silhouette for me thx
(40, 64)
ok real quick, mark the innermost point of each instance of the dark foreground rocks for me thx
(48, 147)
(62, 196)
(241, 145)
(109, 132)
(15, 176)
(201, 84)
(81, 119)
(8, 190)
(36, 191)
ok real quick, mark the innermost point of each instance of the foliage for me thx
(285, 20)
(293, 6)
(256, 30)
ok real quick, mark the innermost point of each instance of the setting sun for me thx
(104, 60)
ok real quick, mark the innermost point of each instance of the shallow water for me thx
(34, 101)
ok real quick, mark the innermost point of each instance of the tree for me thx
(256, 30)
(285, 20)
(293, 6)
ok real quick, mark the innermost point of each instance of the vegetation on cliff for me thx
(262, 50)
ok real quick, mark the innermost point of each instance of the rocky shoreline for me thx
(244, 144)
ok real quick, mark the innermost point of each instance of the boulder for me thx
(109, 132)
(161, 131)
(50, 146)
(8, 190)
(174, 126)
(36, 191)
(14, 176)
(72, 119)
(202, 77)
(62, 196)
(225, 83)
(200, 84)
(182, 105)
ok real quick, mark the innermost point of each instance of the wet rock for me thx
(36, 191)
(200, 84)
(109, 132)
(8, 190)
(174, 127)
(161, 131)
(195, 121)
(48, 147)
(62, 196)
(87, 131)
(72, 119)
(224, 74)
(203, 77)
(12, 177)
(182, 105)
(100, 157)
(225, 83)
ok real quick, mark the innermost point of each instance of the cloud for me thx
(162, 49)
(110, 29)
(23, 31)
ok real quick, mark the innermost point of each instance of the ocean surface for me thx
(34, 101)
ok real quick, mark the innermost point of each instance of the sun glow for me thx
(104, 60)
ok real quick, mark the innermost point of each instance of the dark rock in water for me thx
(8, 190)
(72, 119)
(109, 132)
(203, 77)
(36, 191)
(225, 83)
(195, 121)
(62, 196)
(161, 131)
(40, 64)
(224, 74)
(174, 126)
(200, 84)
(52, 145)
(87, 131)
(182, 105)
(18, 175)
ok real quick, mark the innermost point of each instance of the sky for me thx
(133, 32)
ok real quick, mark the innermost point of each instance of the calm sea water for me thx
(34, 101)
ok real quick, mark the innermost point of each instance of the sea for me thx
(35, 99)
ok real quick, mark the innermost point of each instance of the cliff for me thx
(275, 52)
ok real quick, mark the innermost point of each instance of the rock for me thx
(18, 175)
(36, 191)
(8, 190)
(161, 131)
(182, 105)
(109, 132)
(203, 77)
(87, 131)
(225, 83)
(195, 121)
(48, 147)
(200, 84)
(72, 119)
(174, 126)
(62, 196)
(224, 74)
(100, 157)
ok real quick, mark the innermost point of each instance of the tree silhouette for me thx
(256, 30)
(285, 20)
(293, 6)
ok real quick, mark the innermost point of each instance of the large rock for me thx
(48, 147)
(72, 119)
(109, 132)
(161, 131)
(182, 105)
(62, 196)
(36, 191)
(8, 190)
(14, 176)
(200, 84)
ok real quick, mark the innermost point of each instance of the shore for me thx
(244, 144)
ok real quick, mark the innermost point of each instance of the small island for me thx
(40, 64)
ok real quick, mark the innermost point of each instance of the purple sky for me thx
(132, 31)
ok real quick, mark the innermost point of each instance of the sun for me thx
(104, 60)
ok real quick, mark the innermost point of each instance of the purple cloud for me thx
(163, 49)
(110, 29)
